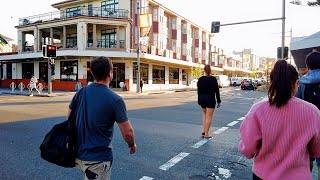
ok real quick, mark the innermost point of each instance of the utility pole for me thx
(138, 46)
(289, 53)
(283, 27)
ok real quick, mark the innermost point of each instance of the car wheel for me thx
(234, 84)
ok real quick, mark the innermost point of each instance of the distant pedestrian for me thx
(281, 133)
(309, 88)
(141, 84)
(208, 97)
(97, 111)
(33, 85)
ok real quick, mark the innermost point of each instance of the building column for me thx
(150, 78)
(21, 41)
(167, 75)
(94, 35)
(35, 40)
(39, 40)
(64, 39)
(118, 37)
(127, 37)
(180, 76)
(82, 36)
(51, 36)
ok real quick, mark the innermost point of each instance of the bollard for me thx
(13, 86)
(21, 86)
(40, 87)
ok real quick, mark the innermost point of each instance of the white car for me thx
(223, 80)
(236, 81)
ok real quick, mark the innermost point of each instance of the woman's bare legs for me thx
(208, 120)
(204, 120)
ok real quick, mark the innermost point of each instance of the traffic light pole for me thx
(49, 77)
(138, 46)
(283, 28)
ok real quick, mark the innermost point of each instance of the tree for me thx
(310, 3)
(314, 3)
(196, 72)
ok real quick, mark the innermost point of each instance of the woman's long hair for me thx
(283, 78)
(207, 70)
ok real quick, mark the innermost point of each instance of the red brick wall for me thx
(204, 62)
(174, 34)
(184, 57)
(174, 55)
(204, 45)
(196, 60)
(56, 85)
(184, 38)
(127, 84)
(155, 27)
(196, 42)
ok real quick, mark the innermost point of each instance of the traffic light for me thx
(215, 26)
(49, 51)
(286, 51)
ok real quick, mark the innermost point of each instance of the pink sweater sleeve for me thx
(251, 135)
(314, 144)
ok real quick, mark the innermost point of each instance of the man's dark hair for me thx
(101, 67)
(283, 77)
(313, 60)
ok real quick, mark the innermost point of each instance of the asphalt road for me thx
(168, 134)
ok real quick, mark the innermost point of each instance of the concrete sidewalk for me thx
(56, 93)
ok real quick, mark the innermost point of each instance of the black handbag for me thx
(58, 146)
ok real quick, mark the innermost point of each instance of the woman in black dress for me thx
(208, 96)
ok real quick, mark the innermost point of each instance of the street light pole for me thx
(138, 46)
(283, 28)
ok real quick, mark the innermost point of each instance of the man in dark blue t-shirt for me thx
(98, 108)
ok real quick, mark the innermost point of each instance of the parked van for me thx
(223, 80)
(236, 81)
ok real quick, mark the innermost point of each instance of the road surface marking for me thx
(241, 119)
(146, 178)
(220, 130)
(15, 99)
(200, 143)
(173, 161)
(225, 172)
(233, 123)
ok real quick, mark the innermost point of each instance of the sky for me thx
(263, 38)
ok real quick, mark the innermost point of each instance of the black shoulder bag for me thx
(58, 146)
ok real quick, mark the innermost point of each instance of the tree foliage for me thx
(196, 72)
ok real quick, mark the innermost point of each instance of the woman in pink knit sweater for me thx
(283, 132)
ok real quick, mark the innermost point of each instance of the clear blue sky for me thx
(263, 38)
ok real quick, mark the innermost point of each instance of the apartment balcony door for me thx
(118, 75)
(89, 74)
(108, 38)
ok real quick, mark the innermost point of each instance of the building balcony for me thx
(104, 44)
(81, 11)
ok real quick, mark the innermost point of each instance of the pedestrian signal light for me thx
(49, 51)
(279, 53)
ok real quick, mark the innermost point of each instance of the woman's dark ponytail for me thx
(283, 77)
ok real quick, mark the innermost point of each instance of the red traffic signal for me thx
(49, 51)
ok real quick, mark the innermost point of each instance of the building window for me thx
(73, 12)
(69, 70)
(184, 49)
(108, 39)
(72, 40)
(144, 73)
(109, 7)
(155, 14)
(27, 70)
(155, 40)
(158, 74)
(9, 71)
(173, 75)
(43, 71)
(196, 52)
(174, 24)
(184, 29)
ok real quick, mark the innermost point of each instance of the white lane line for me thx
(233, 123)
(241, 119)
(173, 161)
(200, 143)
(220, 130)
(146, 178)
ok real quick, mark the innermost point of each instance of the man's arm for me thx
(128, 135)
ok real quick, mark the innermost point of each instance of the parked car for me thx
(258, 82)
(236, 81)
(223, 80)
(248, 84)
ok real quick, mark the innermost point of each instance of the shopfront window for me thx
(158, 74)
(27, 70)
(9, 71)
(69, 70)
(173, 75)
(144, 73)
